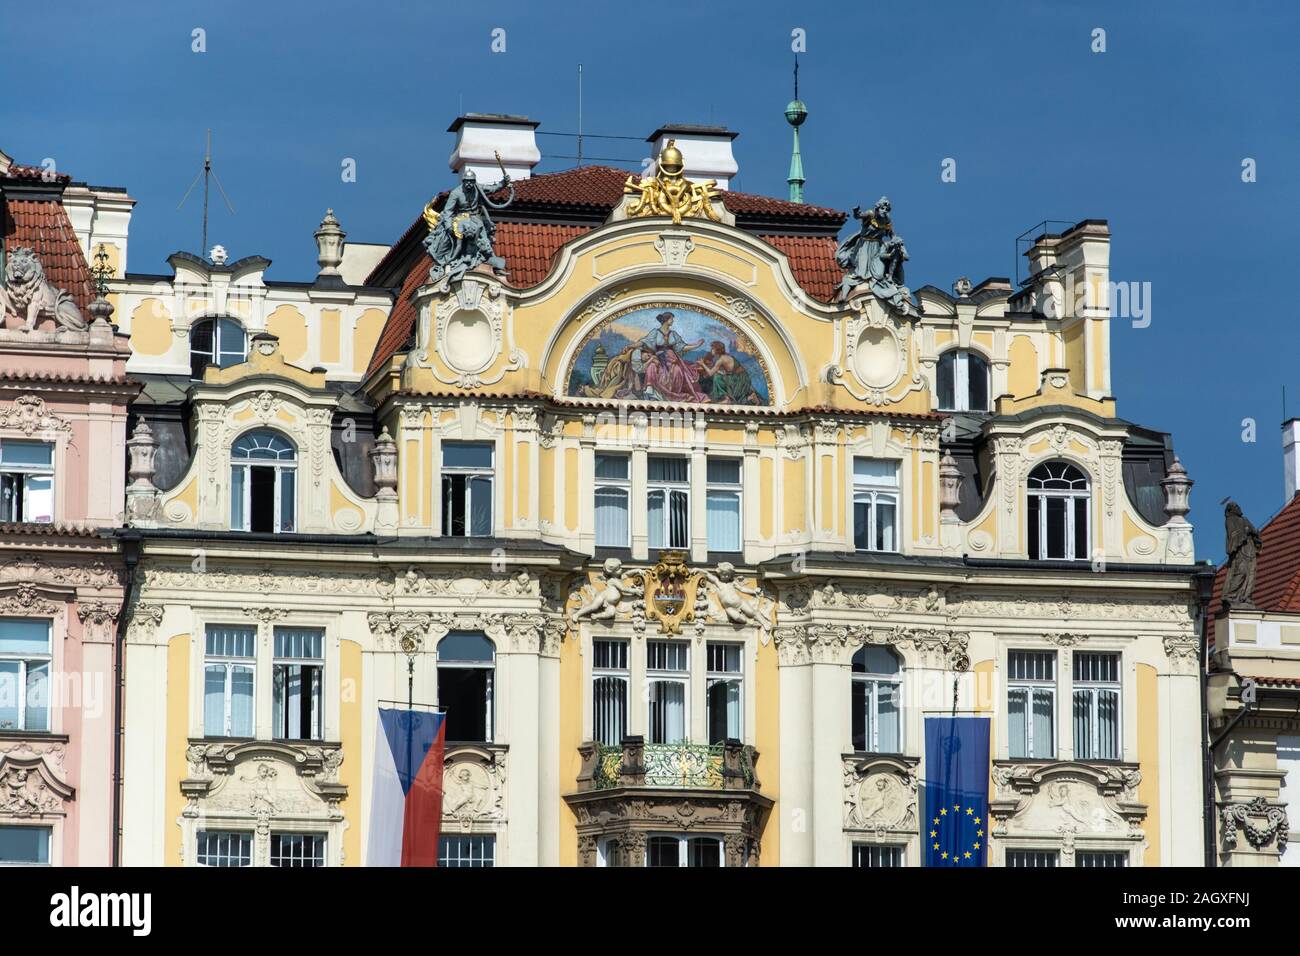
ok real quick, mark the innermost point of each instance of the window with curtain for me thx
(296, 679)
(1106, 859)
(224, 848)
(963, 381)
(229, 667)
(263, 470)
(609, 683)
(1058, 512)
(667, 680)
(467, 849)
(219, 342)
(26, 481)
(877, 700)
(1033, 858)
(725, 692)
(871, 855)
(668, 502)
(875, 504)
(722, 504)
(1096, 706)
(467, 470)
(25, 846)
(683, 851)
(298, 849)
(613, 496)
(466, 677)
(25, 655)
(1031, 704)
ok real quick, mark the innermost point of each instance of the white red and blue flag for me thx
(406, 800)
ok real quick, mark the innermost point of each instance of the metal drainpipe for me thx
(131, 557)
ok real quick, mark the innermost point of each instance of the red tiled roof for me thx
(1275, 681)
(1277, 570)
(812, 260)
(43, 225)
(16, 171)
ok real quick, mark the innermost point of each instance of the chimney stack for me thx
(706, 150)
(1290, 448)
(481, 136)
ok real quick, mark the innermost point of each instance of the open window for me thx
(467, 489)
(219, 342)
(466, 675)
(877, 700)
(963, 381)
(1058, 512)
(263, 469)
(26, 481)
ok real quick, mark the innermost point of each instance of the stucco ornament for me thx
(874, 257)
(461, 236)
(740, 604)
(1243, 547)
(1238, 816)
(29, 296)
(609, 594)
(670, 193)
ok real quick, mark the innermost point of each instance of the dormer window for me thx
(263, 465)
(1058, 512)
(963, 382)
(219, 342)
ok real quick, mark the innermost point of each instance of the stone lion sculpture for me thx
(28, 295)
(608, 595)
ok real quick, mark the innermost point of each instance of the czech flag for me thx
(406, 800)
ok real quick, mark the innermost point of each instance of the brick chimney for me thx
(480, 136)
(706, 150)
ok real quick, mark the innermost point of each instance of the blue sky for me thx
(1150, 135)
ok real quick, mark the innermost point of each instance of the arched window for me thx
(262, 468)
(1058, 512)
(219, 342)
(466, 671)
(877, 700)
(963, 382)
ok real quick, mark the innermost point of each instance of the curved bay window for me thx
(263, 466)
(219, 342)
(466, 679)
(1058, 512)
(877, 700)
(963, 382)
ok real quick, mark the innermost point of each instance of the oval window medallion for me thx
(876, 359)
(468, 342)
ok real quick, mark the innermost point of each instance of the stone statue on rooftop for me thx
(874, 257)
(28, 295)
(1242, 546)
(462, 234)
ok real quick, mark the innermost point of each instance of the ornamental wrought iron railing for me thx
(682, 765)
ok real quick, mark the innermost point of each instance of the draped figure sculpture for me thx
(1242, 546)
(874, 257)
(462, 234)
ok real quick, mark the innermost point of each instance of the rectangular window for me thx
(296, 678)
(725, 695)
(1031, 704)
(865, 854)
(1033, 858)
(24, 674)
(1096, 706)
(467, 489)
(723, 504)
(875, 505)
(877, 715)
(667, 676)
(224, 848)
(613, 497)
(297, 849)
(609, 683)
(228, 670)
(26, 481)
(668, 502)
(24, 846)
(467, 849)
(683, 851)
(1111, 859)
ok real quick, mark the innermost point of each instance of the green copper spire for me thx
(795, 114)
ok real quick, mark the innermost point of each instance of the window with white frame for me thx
(219, 342)
(467, 849)
(229, 670)
(722, 506)
(467, 469)
(1031, 704)
(875, 504)
(1107, 859)
(263, 469)
(1058, 512)
(877, 700)
(613, 500)
(25, 674)
(24, 846)
(1096, 706)
(872, 855)
(609, 691)
(466, 674)
(224, 848)
(963, 380)
(298, 849)
(26, 481)
(683, 851)
(296, 680)
(668, 675)
(668, 502)
(724, 696)
(1033, 858)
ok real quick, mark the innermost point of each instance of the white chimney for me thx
(1290, 448)
(481, 136)
(706, 150)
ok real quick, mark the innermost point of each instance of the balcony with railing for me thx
(634, 763)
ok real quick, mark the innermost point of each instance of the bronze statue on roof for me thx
(462, 236)
(1243, 546)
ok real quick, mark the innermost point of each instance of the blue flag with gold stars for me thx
(955, 828)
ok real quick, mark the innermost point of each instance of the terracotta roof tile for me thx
(1277, 571)
(43, 225)
(812, 259)
(17, 171)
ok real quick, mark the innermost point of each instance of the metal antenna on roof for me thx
(206, 172)
(579, 114)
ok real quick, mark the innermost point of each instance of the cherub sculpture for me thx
(733, 597)
(609, 595)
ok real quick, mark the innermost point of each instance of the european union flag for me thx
(956, 825)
